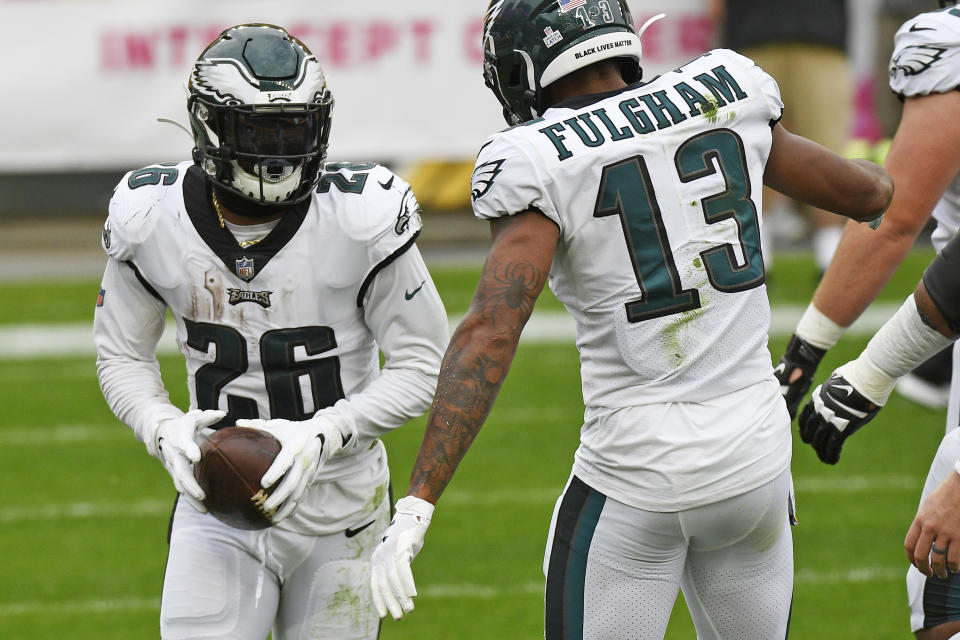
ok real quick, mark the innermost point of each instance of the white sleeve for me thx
(507, 181)
(766, 83)
(126, 329)
(406, 316)
(926, 55)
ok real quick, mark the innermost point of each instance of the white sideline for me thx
(436, 591)
(54, 341)
(517, 497)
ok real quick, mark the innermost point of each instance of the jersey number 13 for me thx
(627, 191)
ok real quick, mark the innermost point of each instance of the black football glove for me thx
(835, 412)
(803, 356)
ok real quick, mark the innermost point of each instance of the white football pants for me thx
(230, 584)
(614, 571)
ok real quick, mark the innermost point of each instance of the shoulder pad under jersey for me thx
(136, 204)
(372, 205)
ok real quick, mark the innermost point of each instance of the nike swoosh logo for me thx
(386, 185)
(352, 532)
(409, 294)
(914, 27)
(844, 387)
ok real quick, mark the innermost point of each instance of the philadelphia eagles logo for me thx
(483, 177)
(409, 209)
(916, 59)
(261, 298)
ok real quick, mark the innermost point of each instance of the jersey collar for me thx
(244, 263)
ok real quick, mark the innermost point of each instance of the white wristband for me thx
(817, 329)
(414, 506)
(956, 466)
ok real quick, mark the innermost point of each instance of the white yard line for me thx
(459, 591)
(54, 341)
(453, 498)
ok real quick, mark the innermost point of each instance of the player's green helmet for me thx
(259, 109)
(528, 44)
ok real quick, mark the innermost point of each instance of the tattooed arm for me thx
(474, 367)
(482, 348)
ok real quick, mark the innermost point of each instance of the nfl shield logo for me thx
(245, 268)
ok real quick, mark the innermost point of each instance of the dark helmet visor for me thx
(265, 132)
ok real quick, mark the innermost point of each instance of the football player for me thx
(285, 277)
(639, 202)
(925, 162)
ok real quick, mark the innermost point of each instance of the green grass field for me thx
(83, 527)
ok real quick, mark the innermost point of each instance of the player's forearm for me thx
(412, 333)
(134, 392)
(483, 346)
(473, 370)
(864, 262)
(126, 330)
(807, 171)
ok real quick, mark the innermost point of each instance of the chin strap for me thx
(176, 124)
(649, 22)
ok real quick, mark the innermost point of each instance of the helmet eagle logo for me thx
(225, 80)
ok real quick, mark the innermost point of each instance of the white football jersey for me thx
(283, 328)
(656, 191)
(926, 60)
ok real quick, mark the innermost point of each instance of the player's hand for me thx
(933, 540)
(178, 450)
(391, 578)
(304, 446)
(795, 371)
(835, 412)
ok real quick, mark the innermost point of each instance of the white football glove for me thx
(391, 578)
(175, 443)
(305, 446)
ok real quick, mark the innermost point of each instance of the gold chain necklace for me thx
(216, 207)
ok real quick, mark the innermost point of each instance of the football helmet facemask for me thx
(259, 108)
(528, 44)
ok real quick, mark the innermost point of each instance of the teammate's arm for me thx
(924, 157)
(926, 323)
(474, 368)
(859, 189)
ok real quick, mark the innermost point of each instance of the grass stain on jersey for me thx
(671, 333)
(710, 113)
(378, 495)
(698, 263)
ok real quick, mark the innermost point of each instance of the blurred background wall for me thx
(86, 80)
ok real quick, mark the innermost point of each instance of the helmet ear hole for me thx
(630, 70)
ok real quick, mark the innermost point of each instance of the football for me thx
(232, 462)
